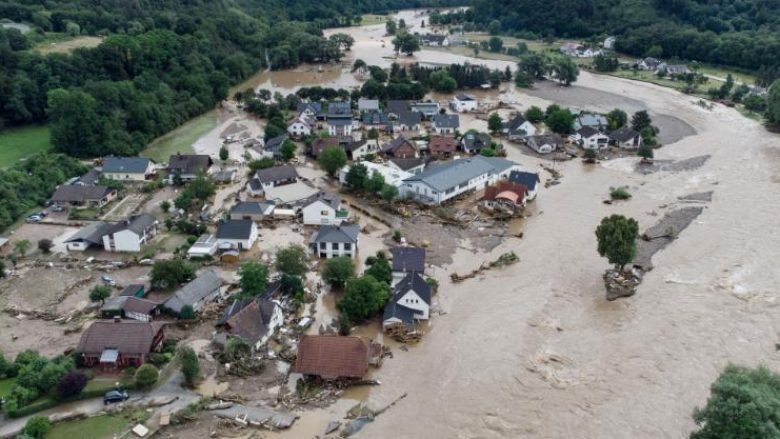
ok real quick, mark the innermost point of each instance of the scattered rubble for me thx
(662, 234)
(622, 284)
(502, 261)
(257, 417)
(689, 164)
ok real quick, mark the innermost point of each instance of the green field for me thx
(369, 19)
(180, 139)
(63, 43)
(5, 386)
(467, 51)
(18, 143)
(533, 45)
(98, 427)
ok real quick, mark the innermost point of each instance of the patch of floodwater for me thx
(689, 164)
(210, 387)
(307, 75)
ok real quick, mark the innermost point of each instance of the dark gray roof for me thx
(130, 165)
(543, 139)
(623, 134)
(465, 97)
(514, 123)
(446, 121)
(527, 179)
(407, 259)
(340, 122)
(407, 164)
(328, 198)
(195, 291)
(409, 118)
(129, 304)
(353, 145)
(475, 141)
(92, 233)
(189, 163)
(251, 207)
(137, 223)
(342, 233)
(79, 194)
(340, 107)
(90, 178)
(255, 184)
(397, 106)
(400, 312)
(450, 174)
(375, 118)
(275, 143)
(587, 131)
(413, 281)
(315, 107)
(234, 229)
(277, 173)
(131, 289)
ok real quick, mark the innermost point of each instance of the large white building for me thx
(439, 183)
(463, 103)
(393, 176)
(324, 209)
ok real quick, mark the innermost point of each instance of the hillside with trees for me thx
(744, 34)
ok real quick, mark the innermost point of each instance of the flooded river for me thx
(534, 350)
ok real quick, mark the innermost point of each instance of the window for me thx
(334, 246)
(323, 246)
(347, 246)
(324, 212)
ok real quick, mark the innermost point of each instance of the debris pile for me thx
(622, 284)
(502, 261)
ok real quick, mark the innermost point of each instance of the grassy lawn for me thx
(721, 72)
(651, 77)
(98, 427)
(64, 43)
(18, 143)
(5, 386)
(467, 51)
(369, 19)
(533, 45)
(181, 139)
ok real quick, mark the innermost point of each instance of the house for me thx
(677, 69)
(463, 103)
(324, 209)
(651, 64)
(206, 245)
(300, 126)
(595, 121)
(321, 143)
(609, 43)
(225, 176)
(409, 121)
(332, 241)
(368, 105)
(237, 234)
(518, 128)
(340, 108)
(88, 236)
(254, 188)
(91, 178)
(332, 357)
(375, 119)
(189, 166)
(446, 123)
(434, 40)
(394, 108)
(312, 110)
(442, 147)
(504, 195)
(83, 196)
(276, 176)
(130, 235)
(571, 49)
(127, 168)
(439, 183)
(591, 138)
(134, 290)
(255, 320)
(407, 260)
(273, 147)
(473, 143)
(410, 165)
(199, 291)
(544, 143)
(528, 179)
(340, 126)
(410, 303)
(114, 344)
(252, 210)
(357, 150)
(400, 148)
(427, 109)
(129, 307)
(392, 175)
(626, 137)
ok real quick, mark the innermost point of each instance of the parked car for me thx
(108, 280)
(115, 396)
(57, 208)
(33, 218)
(43, 214)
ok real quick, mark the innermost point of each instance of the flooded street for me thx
(534, 350)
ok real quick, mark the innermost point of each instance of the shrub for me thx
(397, 235)
(337, 271)
(160, 359)
(169, 346)
(363, 297)
(71, 384)
(100, 293)
(146, 375)
(190, 366)
(37, 427)
(187, 313)
(45, 245)
(619, 193)
(292, 260)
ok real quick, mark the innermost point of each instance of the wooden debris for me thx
(502, 261)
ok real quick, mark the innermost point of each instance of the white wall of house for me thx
(411, 300)
(77, 246)
(241, 244)
(462, 106)
(544, 148)
(319, 213)
(443, 130)
(123, 241)
(298, 129)
(596, 141)
(631, 144)
(277, 320)
(335, 249)
(422, 192)
(138, 316)
(340, 130)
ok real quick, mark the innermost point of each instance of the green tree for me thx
(560, 121)
(441, 81)
(743, 403)
(617, 239)
(146, 375)
(379, 268)
(291, 284)
(45, 245)
(406, 43)
(617, 118)
(645, 151)
(495, 123)
(332, 159)
(337, 271)
(21, 246)
(263, 163)
(170, 273)
(187, 312)
(190, 365)
(773, 104)
(292, 260)
(2, 269)
(223, 153)
(754, 102)
(373, 134)
(355, 177)
(534, 114)
(202, 188)
(37, 427)
(391, 27)
(496, 44)
(565, 70)
(253, 279)
(641, 120)
(375, 183)
(363, 297)
(389, 193)
(100, 293)
(165, 205)
(494, 27)
(287, 150)
(359, 64)
(605, 63)
(590, 155)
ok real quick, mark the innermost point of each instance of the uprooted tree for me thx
(617, 237)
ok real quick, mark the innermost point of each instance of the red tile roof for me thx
(507, 190)
(332, 357)
(442, 145)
